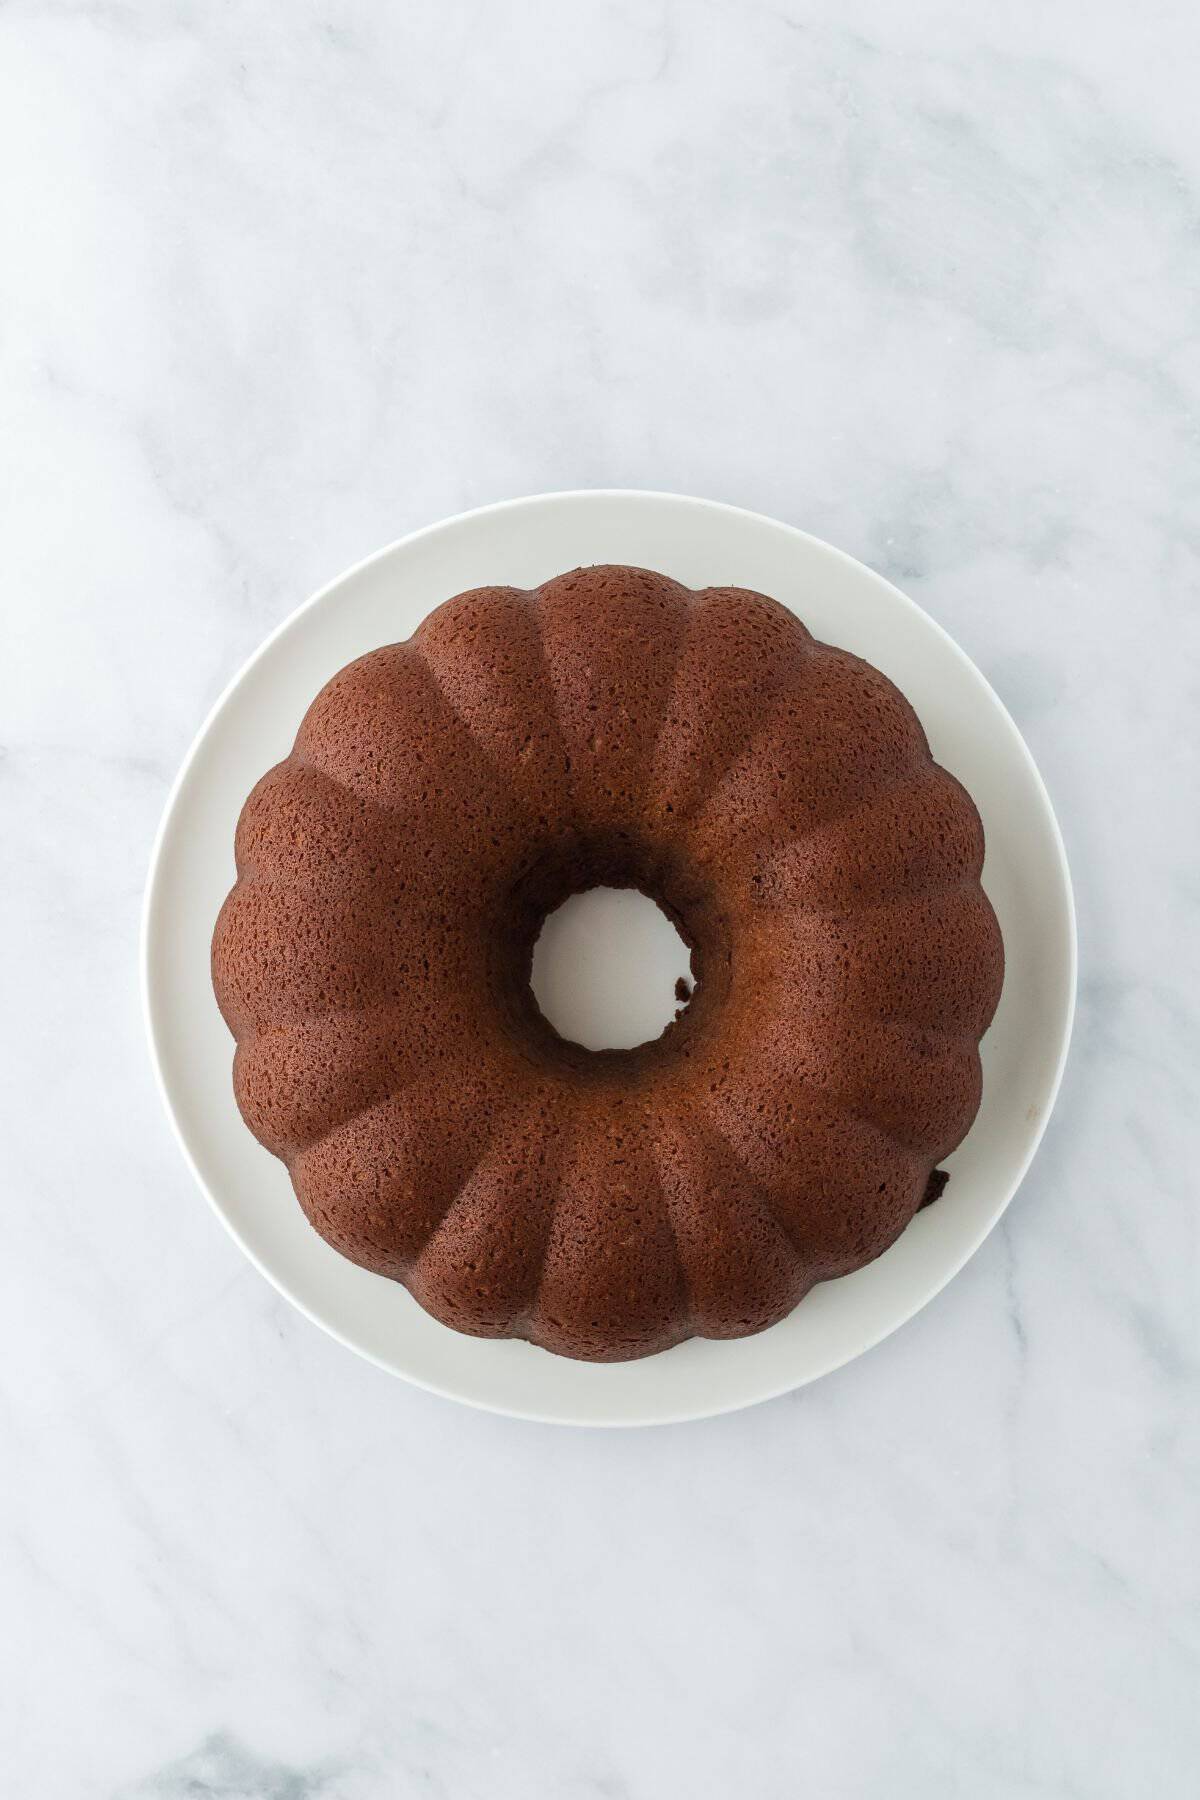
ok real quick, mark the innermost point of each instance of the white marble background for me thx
(280, 282)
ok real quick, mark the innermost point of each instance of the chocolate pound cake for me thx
(775, 796)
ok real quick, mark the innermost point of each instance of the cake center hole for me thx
(610, 970)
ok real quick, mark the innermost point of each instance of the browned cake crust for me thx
(777, 798)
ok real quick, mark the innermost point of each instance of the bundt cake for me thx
(775, 796)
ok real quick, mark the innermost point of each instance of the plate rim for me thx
(789, 1382)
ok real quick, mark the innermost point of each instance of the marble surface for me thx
(281, 283)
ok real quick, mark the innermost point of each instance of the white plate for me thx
(524, 542)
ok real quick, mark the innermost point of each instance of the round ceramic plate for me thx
(524, 542)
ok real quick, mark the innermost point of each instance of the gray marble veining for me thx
(284, 282)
